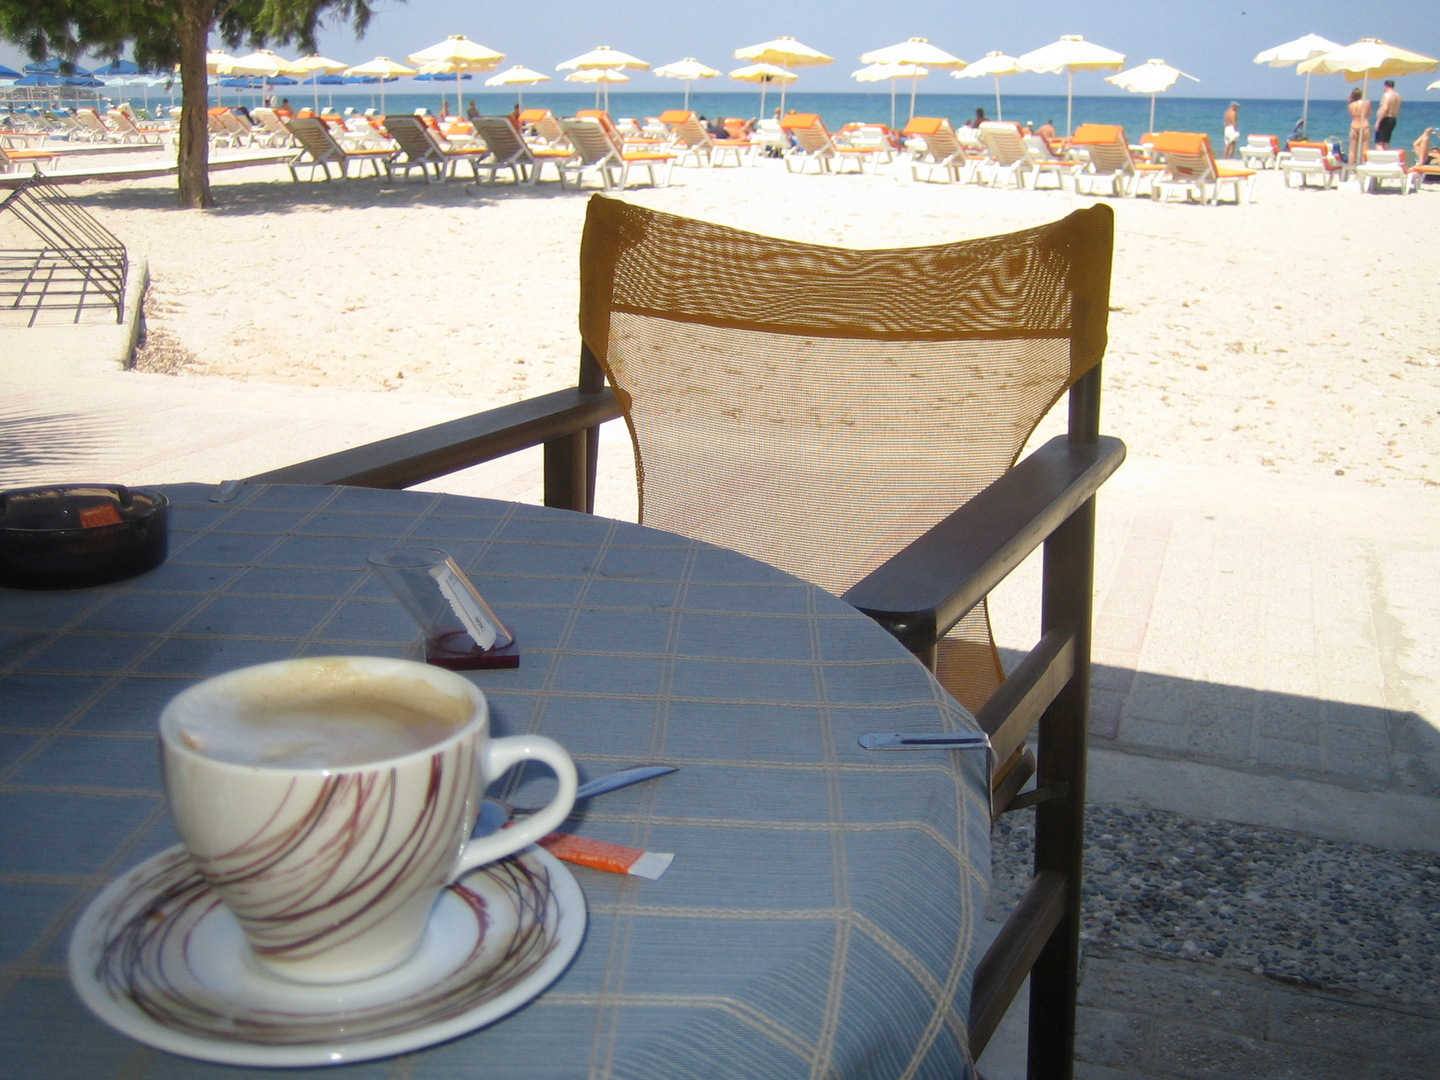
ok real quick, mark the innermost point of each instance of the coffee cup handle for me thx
(501, 755)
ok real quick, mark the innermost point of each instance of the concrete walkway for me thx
(1266, 728)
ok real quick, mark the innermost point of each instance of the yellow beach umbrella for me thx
(764, 74)
(382, 68)
(994, 64)
(688, 69)
(266, 64)
(1297, 52)
(1070, 54)
(881, 72)
(602, 57)
(218, 63)
(517, 76)
(319, 65)
(784, 52)
(456, 55)
(1369, 58)
(599, 77)
(1152, 77)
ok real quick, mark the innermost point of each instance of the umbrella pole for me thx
(999, 113)
(913, 83)
(783, 81)
(892, 104)
(1152, 112)
(314, 85)
(459, 106)
(687, 95)
(762, 98)
(1305, 109)
(1069, 102)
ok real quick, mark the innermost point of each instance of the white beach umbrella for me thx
(1369, 58)
(218, 62)
(456, 55)
(784, 52)
(1297, 52)
(1152, 77)
(1070, 54)
(892, 72)
(314, 65)
(688, 69)
(382, 68)
(917, 52)
(602, 57)
(599, 77)
(266, 64)
(764, 74)
(994, 64)
(1434, 86)
(517, 76)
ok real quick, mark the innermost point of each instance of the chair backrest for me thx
(820, 408)
(545, 124)
(1004, 142)
(315, 137)
(91, 120)
(685, 126)
(810, 132)
(1109, 151)
(122, 122)
(1268, 144)
(1187, 155)
(415, 139)
(591, 141)
(1392, 159)
(501, 138)
(272, 123)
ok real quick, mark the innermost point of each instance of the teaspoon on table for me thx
(494, 813)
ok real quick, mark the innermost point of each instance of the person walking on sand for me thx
(1359, 128)
(1232, 129)
(1387, 116)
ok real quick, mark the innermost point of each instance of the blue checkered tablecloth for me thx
(818, 920)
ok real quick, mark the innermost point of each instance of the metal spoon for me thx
(494, 813)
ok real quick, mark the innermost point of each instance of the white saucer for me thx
(157, 956)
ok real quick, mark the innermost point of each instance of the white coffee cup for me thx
(331, 865)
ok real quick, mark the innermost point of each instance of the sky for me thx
(1213, 40)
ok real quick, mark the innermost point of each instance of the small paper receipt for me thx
(612, 858)
(459, 595)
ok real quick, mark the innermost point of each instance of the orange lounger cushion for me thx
(924, 125)
(1102, 134)
(800, 120)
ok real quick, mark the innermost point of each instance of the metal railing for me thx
(80, 265)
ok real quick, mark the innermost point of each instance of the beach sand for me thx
(1298, 334)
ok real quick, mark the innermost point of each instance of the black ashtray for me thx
(64, 537)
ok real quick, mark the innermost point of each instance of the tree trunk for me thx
(194, 29)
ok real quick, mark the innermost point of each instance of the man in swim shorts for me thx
(1387, 116)
(1232, 129)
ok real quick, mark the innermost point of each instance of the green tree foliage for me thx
(164, 33)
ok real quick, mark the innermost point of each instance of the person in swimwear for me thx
(1387, 116)
(1359, 128)
(1232, 129)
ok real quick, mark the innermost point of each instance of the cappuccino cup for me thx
(328, 800)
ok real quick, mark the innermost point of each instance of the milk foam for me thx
(321, 715)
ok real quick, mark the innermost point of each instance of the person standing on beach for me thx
(1387, 116)
(1046, 131)
(1359, 127)
(1232, 129)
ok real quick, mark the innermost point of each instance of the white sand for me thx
(1300, 333)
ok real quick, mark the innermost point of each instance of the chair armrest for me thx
(417, 456)
(926, 588)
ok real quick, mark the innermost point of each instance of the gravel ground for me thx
(1295, 908)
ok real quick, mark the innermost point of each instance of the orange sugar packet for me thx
(95, 516)
(612, 858)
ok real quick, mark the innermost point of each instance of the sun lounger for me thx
(11, 159)
(546, 127)
(323, 151)
(424, 151)
(875, 137)
(1048, 162)
(94, 128)
(1108, 160)
(813, 143)
(1006, 155)
(1190, 169)
(1385, 166)
(508, 151)
(128, 131)
(690, 140)
(940, 154)
(273, 131)
(1260, 152)
(599, 151)
(1311, 159)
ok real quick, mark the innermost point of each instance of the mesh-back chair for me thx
(855, 417)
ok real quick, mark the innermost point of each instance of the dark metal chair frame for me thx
(918, 595)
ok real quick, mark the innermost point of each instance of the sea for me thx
(1258, 116)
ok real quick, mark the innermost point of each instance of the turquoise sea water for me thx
(1328, 117)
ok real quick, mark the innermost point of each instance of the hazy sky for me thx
(1214, 40)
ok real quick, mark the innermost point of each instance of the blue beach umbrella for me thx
(6, 73)
(118, 67)
(37, 78)
(52, 67)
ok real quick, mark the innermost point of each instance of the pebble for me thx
(1299, 909)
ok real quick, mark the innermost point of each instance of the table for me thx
(817, 920)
